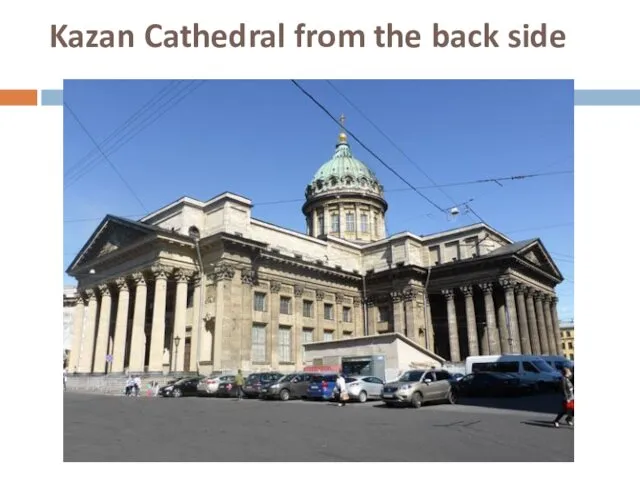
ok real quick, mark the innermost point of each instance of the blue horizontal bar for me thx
(606, 97)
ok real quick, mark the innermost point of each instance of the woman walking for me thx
(341, 388)
(567, 402)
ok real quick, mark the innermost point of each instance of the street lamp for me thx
(175, 362)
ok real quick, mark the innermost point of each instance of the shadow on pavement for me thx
(540, 423)
(543, 403)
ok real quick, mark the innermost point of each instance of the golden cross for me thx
(342, 119)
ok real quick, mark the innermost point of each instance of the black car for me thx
(490, 384)
(184, 387)
(254, 383)
(227, 389)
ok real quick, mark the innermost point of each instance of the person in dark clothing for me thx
(239, 384)
(567, 399)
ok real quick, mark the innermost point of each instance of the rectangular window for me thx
(328, 335)
(285, 305)
(384, 314)
(570, 345)
(260, 301)
(328, 311)
(284, 344)
(351, 224)
(364, 223)
(346, 314)
(376, 232)
(434, 255)
(307, 309)
(320, 223)
(335, 223)
(307, 337)
(259, 343)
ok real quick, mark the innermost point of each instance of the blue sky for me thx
(266, 139)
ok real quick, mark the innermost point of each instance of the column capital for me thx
(122, 284)
(249, 276)
(160, 272)
(520, 288)
(554, 300)
(467, 290)
(339, 298)
(357, 302)
(196, 279)
(298, 290)
(538, 295)
(410, 294)
(223, 271)
(530, 291)
(138, 278)
(319, 295)
(275, 287)
(90, 294)
(486, 288)
(448, 293)
(181, 275)
(507, 283)
(104, 290)
(547, 298)
(396, 296)
(370, 301)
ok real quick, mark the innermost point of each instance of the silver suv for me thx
(416, 387)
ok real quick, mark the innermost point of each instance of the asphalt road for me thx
(112, 428)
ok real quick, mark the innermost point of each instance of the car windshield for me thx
(288, 378)
(542, 366)
(412, 376)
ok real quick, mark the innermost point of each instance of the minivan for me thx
(529, 368)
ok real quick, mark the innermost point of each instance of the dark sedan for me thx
(490, 384)
(254, 383)
(227, 389)
(184, 387)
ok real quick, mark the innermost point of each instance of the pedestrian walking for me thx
(137, 385)
(239, 384)
(567, 400)
(341, 388)
(64, 379)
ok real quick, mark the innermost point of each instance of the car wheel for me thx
(362, 397)
(176, 393)
(452, 397)
(416, 400)
(284, 395)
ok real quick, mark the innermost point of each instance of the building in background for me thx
(567, 337)
(203, 286)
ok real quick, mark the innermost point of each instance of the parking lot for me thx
(117, 428)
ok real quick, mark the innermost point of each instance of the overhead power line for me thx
(371, 152)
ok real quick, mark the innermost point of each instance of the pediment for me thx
(536, 254)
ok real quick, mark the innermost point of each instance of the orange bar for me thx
(19, 98)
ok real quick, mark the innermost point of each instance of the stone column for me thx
(411, 317)
(338, 304)
(137, 351)
(358, 230)
(358, 317)
(272, 331)
(542, 328)
(76, 346)
(197, 324)
(556, 324)
(122, 318)
(224, 274)
(503, 331)
(88, 333)
(454, 343)
(490, 313)
(319, 331)
(512, 315)
(398, 312)
(430, 342)
(327, 221)
(314, 225)
(472, 328)
(525, 342)
(180, 320)
(533, 324)
(371, 315)
(156, 354)
(296, 338)
(102, 339)
(548, 322)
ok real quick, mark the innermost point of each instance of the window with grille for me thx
(284, 344)
(335, 223)
(259, 343)
(260, 301)
(307, 309)
(328, 311)
(364, 223)
(351, 227)
(285, 305)
(346, 314)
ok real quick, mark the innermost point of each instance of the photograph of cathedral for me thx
(203, 285)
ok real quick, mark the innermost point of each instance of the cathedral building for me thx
(202, 286)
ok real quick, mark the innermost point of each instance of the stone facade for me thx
(204, 286)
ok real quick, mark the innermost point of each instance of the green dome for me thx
(343, 172)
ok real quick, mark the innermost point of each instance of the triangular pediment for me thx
(112, 234)
(536, 254)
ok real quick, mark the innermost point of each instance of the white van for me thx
(529, 368)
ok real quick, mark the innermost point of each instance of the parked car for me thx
(209, 385)
(287, 387)
(415, 387)
(227, 388)
(492, 384)
(321, 386)
(184, 387)
(362, 388)
(255, 381)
